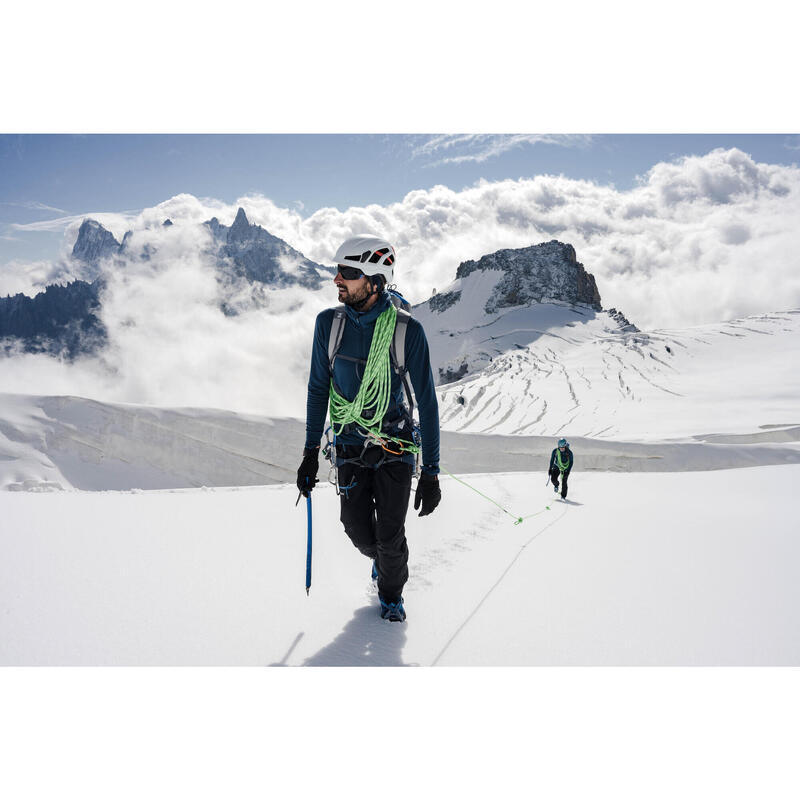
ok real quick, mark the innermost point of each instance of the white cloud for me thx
(699, 240)
(171, 344)
(481, 147)
(35, 205)
(116, 222)
(792, 142)
(721, 218)
(31, 277)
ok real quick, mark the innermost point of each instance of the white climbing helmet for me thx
(371, 254)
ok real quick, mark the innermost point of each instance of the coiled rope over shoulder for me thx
(369, 406)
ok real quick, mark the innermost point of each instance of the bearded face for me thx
(354, 293)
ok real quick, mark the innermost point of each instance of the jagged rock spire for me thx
(241, 227)
(94, 243)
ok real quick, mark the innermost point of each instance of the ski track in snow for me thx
(494, 586)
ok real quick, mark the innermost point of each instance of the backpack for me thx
(397, 349)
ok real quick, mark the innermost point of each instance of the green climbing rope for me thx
(369, 406)
(517, 520)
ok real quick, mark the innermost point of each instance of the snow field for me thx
(638, 569)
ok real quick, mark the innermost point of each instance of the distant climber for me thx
(561, 461)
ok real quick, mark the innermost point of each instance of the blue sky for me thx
(44, 177)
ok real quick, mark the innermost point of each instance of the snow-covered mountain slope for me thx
(550, 369)
(55, 443)
(520, 345)
(637, 569)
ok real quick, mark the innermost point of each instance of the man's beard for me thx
(358, 299)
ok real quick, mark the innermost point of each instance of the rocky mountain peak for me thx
(94, 243)
(257, 255)
(536, 274)
(241, 228)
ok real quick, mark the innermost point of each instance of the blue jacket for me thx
(355, 344)
(554, 460)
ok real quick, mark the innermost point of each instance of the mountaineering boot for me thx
(394, 612)
(555, 488)
(374, 571)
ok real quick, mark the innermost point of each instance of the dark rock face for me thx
(441, 302)
(536, 274)
(94, 243)
(624, 324)
(259, 256)
(450, 375)
(61, 320)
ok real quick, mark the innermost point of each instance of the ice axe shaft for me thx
(308, 545)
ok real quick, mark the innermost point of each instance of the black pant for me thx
(374, 504)
(554, 472)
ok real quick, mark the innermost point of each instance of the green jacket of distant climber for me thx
(561, 460)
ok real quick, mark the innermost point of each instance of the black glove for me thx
(428, 493)
(307, 471)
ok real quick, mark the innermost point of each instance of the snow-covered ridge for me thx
(63, 443)
(52, 443)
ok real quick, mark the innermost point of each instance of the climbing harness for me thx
(373, 453)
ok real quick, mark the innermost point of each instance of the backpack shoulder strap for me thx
(337, 331)
(397, 352)
(398, 348)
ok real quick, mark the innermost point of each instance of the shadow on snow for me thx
(366, 641)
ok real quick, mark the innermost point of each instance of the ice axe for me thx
(308, 545)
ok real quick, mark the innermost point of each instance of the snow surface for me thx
(635, 569)
(558, 370)
(119, 543)
(62, 443)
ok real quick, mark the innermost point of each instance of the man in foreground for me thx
(359, 366)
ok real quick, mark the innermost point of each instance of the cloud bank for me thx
(698, 240)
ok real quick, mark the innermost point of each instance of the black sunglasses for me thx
(350, 273)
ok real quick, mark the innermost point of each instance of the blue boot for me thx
(394, 612)
(374, 571)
